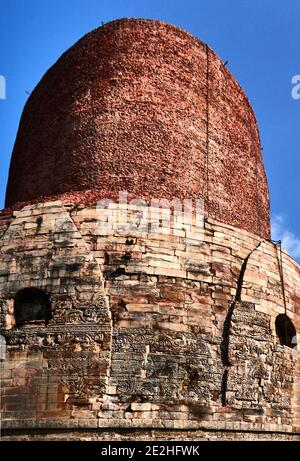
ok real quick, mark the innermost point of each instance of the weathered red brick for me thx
(129, 107)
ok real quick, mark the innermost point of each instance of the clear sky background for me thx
(259, 38)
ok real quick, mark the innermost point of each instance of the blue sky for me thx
(259, 38)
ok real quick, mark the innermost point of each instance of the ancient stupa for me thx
(142, 331)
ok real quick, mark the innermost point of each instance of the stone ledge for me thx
(145, 424)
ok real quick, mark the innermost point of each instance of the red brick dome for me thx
(142, 106)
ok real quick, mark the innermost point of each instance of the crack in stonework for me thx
(227, 326)
(103, 287)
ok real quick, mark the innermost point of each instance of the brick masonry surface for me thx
(150, 333)
(145, 107)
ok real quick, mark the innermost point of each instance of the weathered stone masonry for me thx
(137, 336)
(114, 335)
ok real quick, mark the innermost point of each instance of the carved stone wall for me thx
(49, 369)
(147, 330)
